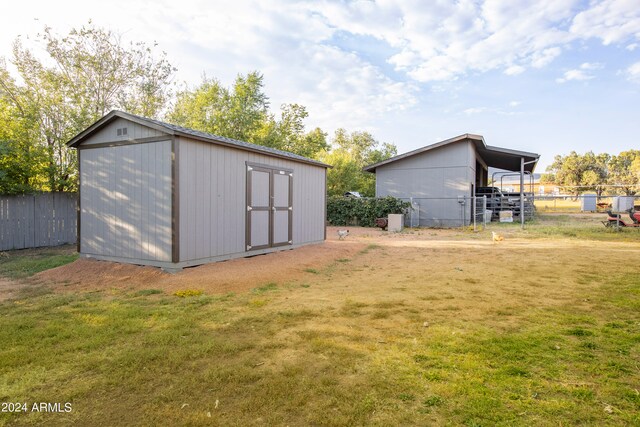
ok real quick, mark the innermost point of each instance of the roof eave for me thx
(77, 140)
(372, 168)
(531, 159)
(480, 145)
(238, 147)
(103, 121)
(513, 152)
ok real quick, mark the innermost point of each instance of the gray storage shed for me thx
(437, 177)
(157, 194)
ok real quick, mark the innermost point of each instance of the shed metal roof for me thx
(176, 130)
(496, 157)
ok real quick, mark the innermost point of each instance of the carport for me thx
(445, 172)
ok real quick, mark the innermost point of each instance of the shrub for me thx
(352, 211)
(188, 293)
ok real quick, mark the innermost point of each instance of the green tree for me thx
(84, 75)
(242, 112)
(596, 175)
(203, 109)
(635, 168)
(349, 153)
(343, 176)
(623, 171)
(249, 107)
(576, 173)
(289, 133)
(100, 72)
(21, 163)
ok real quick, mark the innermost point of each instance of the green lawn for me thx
(348, 345)
(558, 204)
(27, 262)
(587, 226)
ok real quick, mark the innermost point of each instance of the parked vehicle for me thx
(353, 194)
(613, 220)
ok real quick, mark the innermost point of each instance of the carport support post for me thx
(522, 192)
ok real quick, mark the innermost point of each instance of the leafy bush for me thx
(352, 211)
(188, 293)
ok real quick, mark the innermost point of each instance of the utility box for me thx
(588, 203)
(396, 223)
(487, 215)
(622, 204)
(506, 216)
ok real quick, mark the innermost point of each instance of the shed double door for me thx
(269, 207)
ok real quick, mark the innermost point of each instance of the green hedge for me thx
(350, 211)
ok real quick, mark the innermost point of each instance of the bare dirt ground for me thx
(409, 257)
(7, 288)
(229, 276)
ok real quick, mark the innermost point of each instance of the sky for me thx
(546, 76)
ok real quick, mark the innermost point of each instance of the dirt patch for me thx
(415, 259)
(229, 276)
(7, 288)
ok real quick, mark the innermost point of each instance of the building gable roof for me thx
(176, 130)
(496, 157)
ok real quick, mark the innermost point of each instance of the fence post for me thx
(32, 220)
(475, 212)
(484, 212)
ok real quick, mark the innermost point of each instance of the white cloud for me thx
(633, 72)
(445, 40)
(288, 42)
(591, 66)
(611, 21)
(581, 73)
(346, 90)
(578, 75)
(541, 59)
(514, 104)
(514, 70)
(436, 41)
(296, 44)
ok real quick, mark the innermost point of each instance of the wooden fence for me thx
(36, 220)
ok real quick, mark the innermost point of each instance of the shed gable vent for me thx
(121, 131)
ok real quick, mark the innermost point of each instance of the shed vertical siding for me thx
(126, 201)
(435, 178)
(213, 199)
